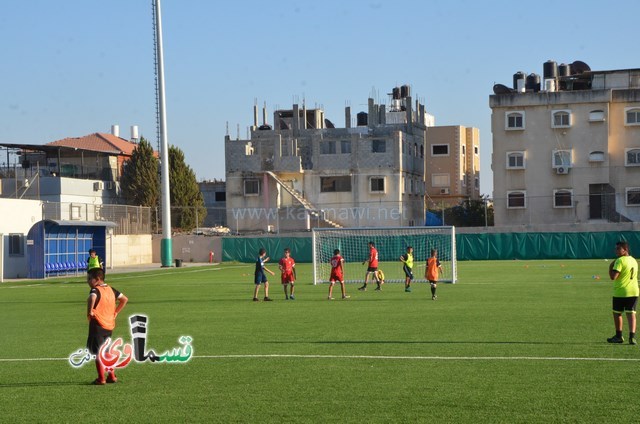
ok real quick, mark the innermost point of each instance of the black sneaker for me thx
(363, 288)
(255, 299)
(615, 339)
(267, 299)
(632, 341)
(378, 288)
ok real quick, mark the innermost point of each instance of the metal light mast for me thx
(165, 246)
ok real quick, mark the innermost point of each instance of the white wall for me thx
(17, 216)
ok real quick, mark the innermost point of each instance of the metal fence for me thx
(128, 219)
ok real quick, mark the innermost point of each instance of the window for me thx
(560, 119)
(440, 180)
(248, 149)
(515, 160)
(251, 187)
(335, 184)
(16, 244)
(632, 116)
(345, 146)
(633, 196)
(596, 116)
(327, 147)
(475, 150)
(376, 185)
(439, 150)
(221, 196)
(561, 158)
(596, 156)
(378, 146)
(632, 157)
(514, 120)
(477, 184)
(563, 198)
(421, 151)
(516, 199)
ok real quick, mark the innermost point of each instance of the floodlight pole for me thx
(165, 246)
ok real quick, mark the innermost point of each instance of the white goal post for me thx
(391, 243)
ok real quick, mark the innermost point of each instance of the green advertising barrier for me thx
(502, 246)
(469, 247)
(245, 249)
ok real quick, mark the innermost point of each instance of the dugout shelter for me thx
(61, 247)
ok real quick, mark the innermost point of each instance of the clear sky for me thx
(74, 67)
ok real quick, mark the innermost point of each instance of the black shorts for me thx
(408, 272)
(97, 336)
(624, 304)
(372, 269)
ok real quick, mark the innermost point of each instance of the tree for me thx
(140, 182)
(469, 213)
(186, 199)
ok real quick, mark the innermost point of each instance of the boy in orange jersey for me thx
(288, 273)
(103, 305)
(432, 272)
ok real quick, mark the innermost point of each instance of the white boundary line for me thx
(420, 358)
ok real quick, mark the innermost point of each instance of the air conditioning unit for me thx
(562, 170)
(444, 191)
(98, 185)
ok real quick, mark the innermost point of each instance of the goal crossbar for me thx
(391, 243)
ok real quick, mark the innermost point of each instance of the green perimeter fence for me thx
(469, 247)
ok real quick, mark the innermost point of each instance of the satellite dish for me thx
(579, 67)
(502, 89)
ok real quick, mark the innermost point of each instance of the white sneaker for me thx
(329, 298)
(346, 297)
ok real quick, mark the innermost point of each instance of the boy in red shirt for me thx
(287, 268)
(337, 274)
(372, 270)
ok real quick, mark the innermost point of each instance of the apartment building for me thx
(452, 171)
(566, 147)
(303, 172)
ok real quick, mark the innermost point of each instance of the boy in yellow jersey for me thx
(103, 305)
(407, 260)
(624, 273)
(432, 272)
(93, 261)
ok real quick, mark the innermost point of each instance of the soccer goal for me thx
(391, 243)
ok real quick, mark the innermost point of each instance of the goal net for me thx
(391, 243)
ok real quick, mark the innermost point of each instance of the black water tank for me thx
(518, 76)
(564, 70)
(396, 93)
(362, 119)
(550, 69)
(405, 91)
(533, 83)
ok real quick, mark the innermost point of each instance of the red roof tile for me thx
(99, 142)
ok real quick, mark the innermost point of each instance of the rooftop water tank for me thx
(362, 119)
(519, 79)
(533, 83)
(550, 69)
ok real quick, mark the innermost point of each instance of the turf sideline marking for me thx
(421, 358)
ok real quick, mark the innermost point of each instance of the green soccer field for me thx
(512, 342)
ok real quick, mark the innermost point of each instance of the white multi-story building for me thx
(566, 147)
(304, 172)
